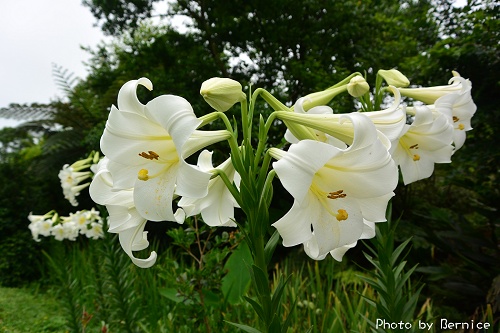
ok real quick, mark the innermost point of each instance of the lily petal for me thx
(128, 238)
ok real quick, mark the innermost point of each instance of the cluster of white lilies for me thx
(74, 178)
(83, 222)
(340, 169)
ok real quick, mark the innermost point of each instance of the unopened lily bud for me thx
(357, 86)
(395, 78)
(222, 93)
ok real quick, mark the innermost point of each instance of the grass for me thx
(25, 310)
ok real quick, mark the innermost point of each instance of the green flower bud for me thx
(393, 77)
(357, 86)
(222, 93)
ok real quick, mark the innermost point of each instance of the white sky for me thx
(34, 34)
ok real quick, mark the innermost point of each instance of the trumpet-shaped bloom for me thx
(426, 141)
(124, 218)
(40, 225)
(320, 123)
(148, 145)
(337, 192)
(459, 109)
(72, 175)
(217, 207)
(391, 121)
(429, 95)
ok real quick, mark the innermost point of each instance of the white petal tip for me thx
(146, 83)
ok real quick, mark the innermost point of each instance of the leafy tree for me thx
(119, 15)
(299, 46)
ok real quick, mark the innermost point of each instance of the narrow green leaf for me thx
(260, 280)
(276, 298)
(398, 250)
(271, 246)
(244, 327)
(257, 308)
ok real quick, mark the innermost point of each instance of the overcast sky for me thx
(34, 34)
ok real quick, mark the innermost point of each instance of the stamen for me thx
(150, 155)
(336, 194)
(416, 157)
(455, 119)
(143, 174)
(342, 215)
(461, 127)
(415, 146)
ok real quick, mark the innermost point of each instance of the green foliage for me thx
(20, 262)
(119, 15)
(397, 296)
(237, 279)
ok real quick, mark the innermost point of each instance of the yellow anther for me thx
(336, 194)
(461, 127)
(416, 157)
(143, 174)
(341, 215)
(150, 155)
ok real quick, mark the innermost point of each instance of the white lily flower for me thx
(391, 121)
(79, 219)
(217, 207)
(336, 191)
(426, 141)
(59, 232)
(321, 124)
(298, 130)
(429, 95)
(72, 175)
(338, 253)
(459, 109)
(124, 218)
(148, 145)
(95, 231)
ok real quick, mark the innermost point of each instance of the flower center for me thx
(416, 157)
(461, 127)
(341, 215)
(336, 194)
(150, 155)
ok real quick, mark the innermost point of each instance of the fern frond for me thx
(65, 80)
(27, 112)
